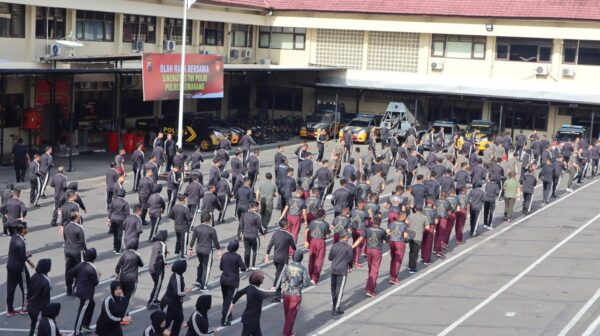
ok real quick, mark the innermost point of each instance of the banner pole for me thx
(182, 77)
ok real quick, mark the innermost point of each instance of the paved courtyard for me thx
(535, 276)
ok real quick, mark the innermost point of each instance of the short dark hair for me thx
(283, 223)
(257, 278)
(269, 176)
(205, 217)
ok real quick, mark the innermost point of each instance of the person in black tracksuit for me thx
(145, 188)
(255, 297)
(210, 203)
(39, 294)
(132, 225)
(492, 190)
(72, 186)
(158, 324)
(86, 279)
(156, 207)
(17, 273)
(114, 309)
(224, 194)
(118, 211)
(282, 242)
(251, 225)
(75, 247)
(127, 269)
(204, 236)
(59, 182)
(14, 212)
(68, 207)
(182, 217)
(194, 193)
(6, 195)
(198, 321)
(157, 263)
(231, 265)
(172, 301)
(340, 256)
(137, 160)
(47, 325)
(111, 178)
(170, 148)
(174, 181)
(244, 196)
(35, 179)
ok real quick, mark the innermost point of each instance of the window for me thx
(174, 30)
(213, 33)
(526, 116)
(11, 109)
(95, 26)
(50, 22)
(523, 50)
(12, 20)
(458, 46)
(282, 38)
(139, 28)
(241, 36)
(459, 111)
(582, 52)
(287, 99)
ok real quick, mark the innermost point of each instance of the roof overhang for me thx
(530, 90)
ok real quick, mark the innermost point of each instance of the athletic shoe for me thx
(125, 323)
(569, 190)
(394, 281)
(276, 299)
(23, 312)
(370, 294)
(117, 253)
(87, 329)
(412, 271)
(440, 255)
(12, 313)
(336, 312)
(426, 263)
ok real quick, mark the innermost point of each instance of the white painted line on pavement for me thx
(592, 328)
(428, 271)
(565, 331)
(514, 280)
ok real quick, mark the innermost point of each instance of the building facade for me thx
(528, 66)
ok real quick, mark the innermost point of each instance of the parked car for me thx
(487, 129)
(450, 130)
(322, 122)
(398, 118)
(236, 132)
(569, 133)
(361, 127)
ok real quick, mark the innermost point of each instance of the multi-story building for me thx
(524, 64)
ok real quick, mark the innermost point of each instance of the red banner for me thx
(161, 76)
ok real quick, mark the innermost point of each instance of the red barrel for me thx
(113, 142)
(128, 142)
(139, 139)
(31, 119)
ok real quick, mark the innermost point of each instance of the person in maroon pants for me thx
(461, 214)
(398, 233)
(374, 236)
(358, 218)
(442, 208)
(453, 200)
(428, 233)
(296, 213)
(294, 278)
(314, 237)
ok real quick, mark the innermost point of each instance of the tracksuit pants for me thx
(357, 251)
(33, 187)
(228, 292)
(84, 314)
(374, 261)
(154, 221)
(117, 231)
(427, 245)
(460, 219)
(181, 243)
(250, 248)
(397, 249)
(488, 212)
(474, 214)
(413, 254)
(338, 282)
(157, 279)
(202, 271)
(527, 200)
(316, 257)
(295, 223)
(291, 306)
(14, 279)
(72, 259)
(440, 235)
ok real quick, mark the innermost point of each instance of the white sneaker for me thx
(569, 190)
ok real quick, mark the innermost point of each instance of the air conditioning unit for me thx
(437, 66)
(234, 54)
(84, 85)
(168, 46)
(246, 53)
(204, 52)
(137, 45)
(541, 70)
(265, 61)
(568, 72)
(55, 50)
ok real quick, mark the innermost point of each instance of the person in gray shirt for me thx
(417, 223)
(266, 193)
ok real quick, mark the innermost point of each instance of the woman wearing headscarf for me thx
(231, 265)
(254, 299)
(114, 308)
(39, 294)
(47, 325)
(198, 322)
(172, 301)
(158, 324)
